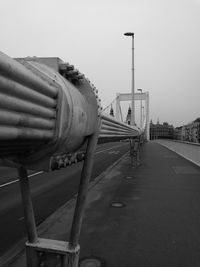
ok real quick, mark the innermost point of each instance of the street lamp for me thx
(133, 89)
(140, 107)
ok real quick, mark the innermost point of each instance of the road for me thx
(49, 191)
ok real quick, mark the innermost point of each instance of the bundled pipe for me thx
(42, 112)
(49, 108)
(111, 128)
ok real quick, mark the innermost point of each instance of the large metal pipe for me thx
(9, 133)
(111, 128)
(19, 105)
(16, 119)
(49, 113)
(27, 205)
(14, 88)
(12, 69)
(112, 120)
(114, 129)
(108, 123)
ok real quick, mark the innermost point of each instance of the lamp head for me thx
(129, 34)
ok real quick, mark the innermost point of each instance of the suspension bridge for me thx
(49, 110)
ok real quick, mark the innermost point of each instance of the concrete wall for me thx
(190, 151)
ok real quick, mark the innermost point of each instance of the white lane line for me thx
(14, 181)
(114, 152)
(36, 173)
(107, 149)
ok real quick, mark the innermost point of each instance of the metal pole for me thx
(147, 115)
(27, 205)
(133, 86)
(117, 106)
(83, 188)
(141, 110)
(142, 114)
(140, 107)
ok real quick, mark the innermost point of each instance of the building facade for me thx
(189, 132)
(161, 130)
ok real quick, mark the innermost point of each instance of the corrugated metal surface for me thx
(111, 128)
(27, 108)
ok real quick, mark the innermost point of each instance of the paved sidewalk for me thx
(158, 223)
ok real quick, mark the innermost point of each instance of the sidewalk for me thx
(155, 221)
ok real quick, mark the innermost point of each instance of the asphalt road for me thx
(49, 192)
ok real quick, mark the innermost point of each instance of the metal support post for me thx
(27, 205)
(131, 142)
(134, 152)
(81, 198)
(47, 252)
(117, 115)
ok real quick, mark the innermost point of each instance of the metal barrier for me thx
(47, 107)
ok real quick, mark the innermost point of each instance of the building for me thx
(189, 132)
(111, 112)
(128, 117)
(161, 130)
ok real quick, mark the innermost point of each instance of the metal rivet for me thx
(117, 205)
(41, 254)
(90, 263)
(129, 177)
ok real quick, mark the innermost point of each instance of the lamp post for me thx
(143, 114)
(133, 87)
(140, 107)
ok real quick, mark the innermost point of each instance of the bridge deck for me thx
(159, 224)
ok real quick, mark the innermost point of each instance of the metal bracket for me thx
(51, 253)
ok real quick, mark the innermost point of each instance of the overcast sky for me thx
(89, 34)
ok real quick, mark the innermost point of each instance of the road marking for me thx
(36, 173)
(114, 152)
(17, 180)
(107, 149)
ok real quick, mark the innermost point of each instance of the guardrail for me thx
(188, 150)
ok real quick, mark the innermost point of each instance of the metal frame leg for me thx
(27, 205)
(131, 142)
(82, 194)
(51, 252)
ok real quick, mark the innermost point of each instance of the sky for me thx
(90, 35)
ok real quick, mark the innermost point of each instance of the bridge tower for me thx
(137, 96)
